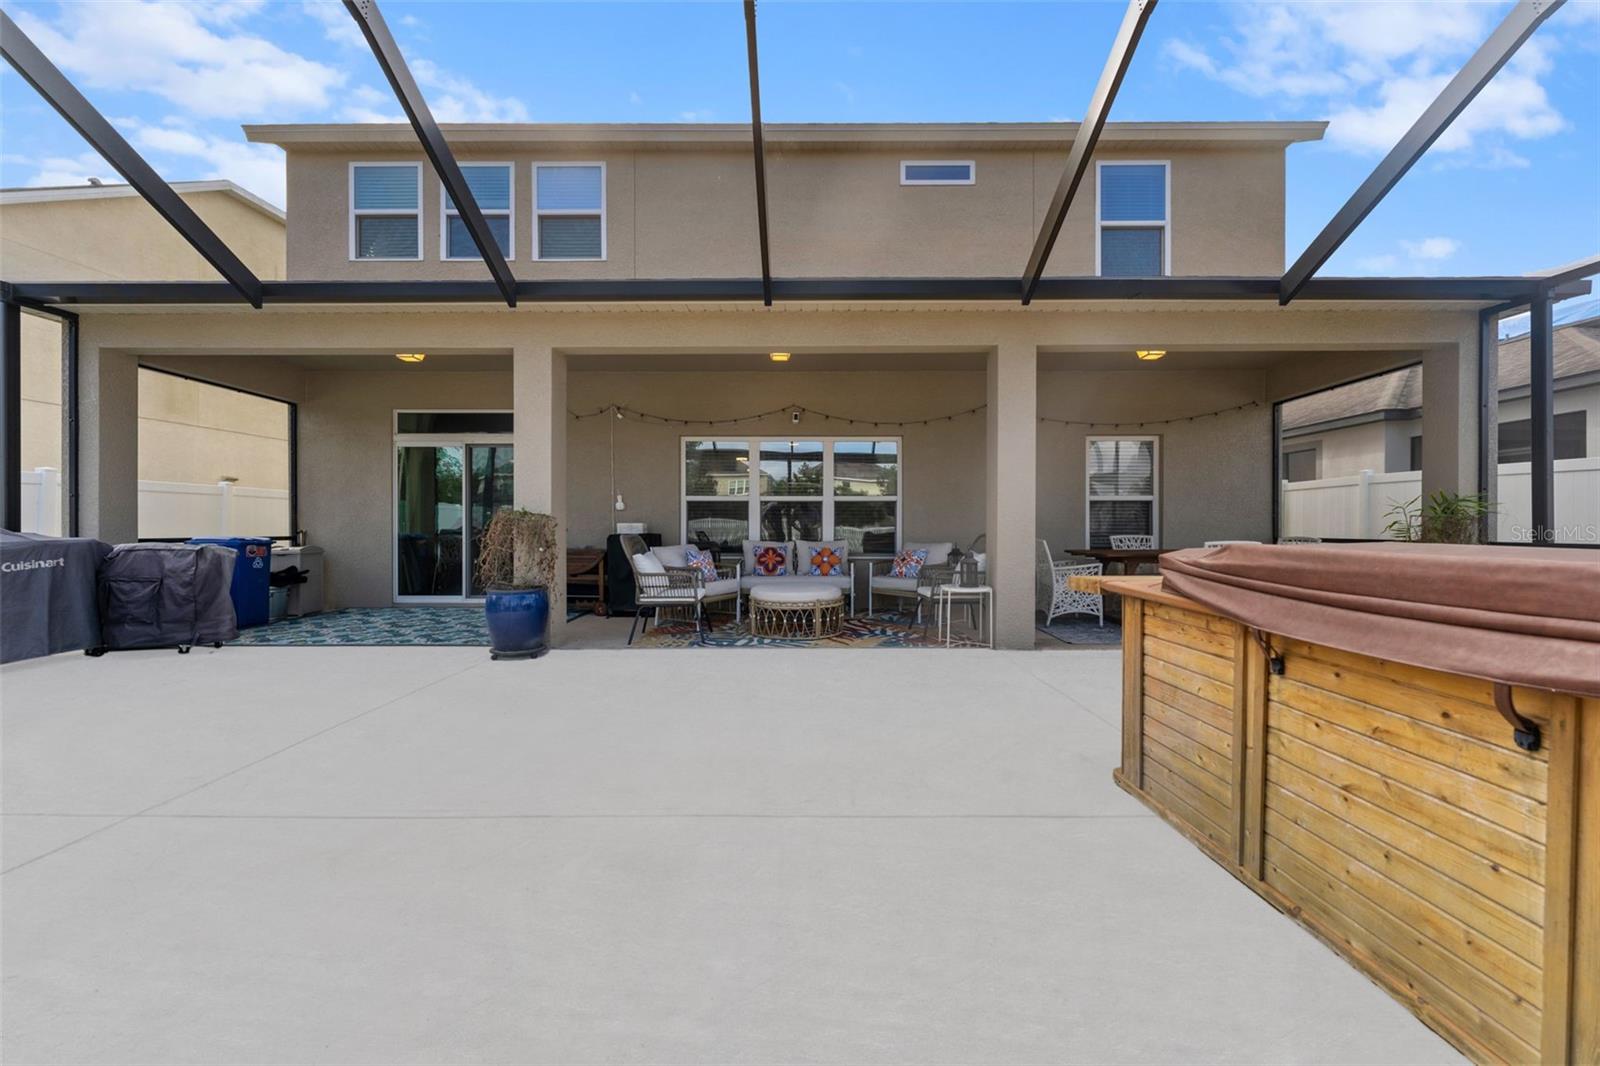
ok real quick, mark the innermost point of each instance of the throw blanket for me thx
(1525, 616)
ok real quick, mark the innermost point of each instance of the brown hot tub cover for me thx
(1525, 616)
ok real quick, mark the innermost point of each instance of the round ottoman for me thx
(797, 609)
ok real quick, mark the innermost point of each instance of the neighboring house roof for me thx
(60, 193)
(798, 134)
(1398, 394)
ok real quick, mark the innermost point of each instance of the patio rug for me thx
(455, 626)
(1084, 631)
(864, 632)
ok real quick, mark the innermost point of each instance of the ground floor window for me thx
(829, 488)
(1123, 489)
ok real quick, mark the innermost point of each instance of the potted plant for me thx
(517, 568)
(1445, 518)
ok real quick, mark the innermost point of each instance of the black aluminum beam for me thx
(61, 94)
(1488, 416)
(1078, 157)
(46, 294)
(11, 412)
(1485, 63)
(760, 148)
(1542, 405)
(1572, 272)
(387, 52)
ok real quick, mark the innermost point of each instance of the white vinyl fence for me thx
(169, 508)
(1358, 506)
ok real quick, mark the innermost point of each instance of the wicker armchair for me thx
(677, 587)
(1056, 593)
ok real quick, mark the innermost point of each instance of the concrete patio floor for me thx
(398, 855)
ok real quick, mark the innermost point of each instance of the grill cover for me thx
(166, 595)
(47, 594)
(1524, 616)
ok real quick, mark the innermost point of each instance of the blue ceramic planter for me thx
(519, 622)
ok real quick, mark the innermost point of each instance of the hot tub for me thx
(1438, 828)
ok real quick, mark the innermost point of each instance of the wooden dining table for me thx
(1130, 558)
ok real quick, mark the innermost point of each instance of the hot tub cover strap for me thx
(1518, 615)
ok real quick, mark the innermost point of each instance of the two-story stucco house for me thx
(891, 419)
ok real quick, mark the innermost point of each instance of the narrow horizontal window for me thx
(453, 422)
(937, 172)
(569, 209)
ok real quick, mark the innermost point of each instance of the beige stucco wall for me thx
(121, 237)
(41, 392)
(832, 213)
(199, 434)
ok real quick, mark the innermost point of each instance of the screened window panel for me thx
(866, 468)
(1118, 517)
(867, 526)
(725, 522)
(1133, 192)
(569, 237)
(569, 188)
(716, 468)
(387, 237)
(490, 186)
(1130, 252)
(381, 188)
(791, 468)
(938, 171)
(1122, 468)
(458, 242)
(791, 520)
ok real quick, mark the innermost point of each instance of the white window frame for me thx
(539, 214)
(436, 440)
(752, 443)
(446, 213)
(1155, 483)
(350, 200)
(1166, 224)
(970, 164)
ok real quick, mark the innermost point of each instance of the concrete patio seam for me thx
(1115, 726)
(239, 769)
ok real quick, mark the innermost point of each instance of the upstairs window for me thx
(490, 184)
(570, 210)
(937, 172)
(1132, 237)
(385, 211)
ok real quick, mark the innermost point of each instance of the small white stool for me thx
(949, 595)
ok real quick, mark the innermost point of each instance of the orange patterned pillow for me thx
(825, 561)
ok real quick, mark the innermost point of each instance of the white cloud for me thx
(189, 54)
(1373, 67)
(703, 115)
(257, 167)
(635, 99)
(366, 104)
(453, 98)
(1431, 249)
(1379, 264)
(71, 170)
(337, 25)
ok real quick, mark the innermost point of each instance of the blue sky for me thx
(1514, 187)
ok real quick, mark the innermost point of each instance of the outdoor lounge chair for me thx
(882, 584)
(677, 587)
(1056, 593)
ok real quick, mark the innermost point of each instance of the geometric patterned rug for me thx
(1071, 630)
(861, 632)
(457, 626)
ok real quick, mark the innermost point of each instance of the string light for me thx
(620, 412)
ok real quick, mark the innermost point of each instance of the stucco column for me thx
(108, 440)
(1013, 433)
(1450, 415)
(539, 403)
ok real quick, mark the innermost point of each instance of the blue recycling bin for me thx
(251, 573)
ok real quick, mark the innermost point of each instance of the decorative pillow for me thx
(645, 563)
(704, 562)
(825, 561)
(771, 558)
(909, 562)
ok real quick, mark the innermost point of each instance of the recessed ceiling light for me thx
(411, 357)
(1150, 355)
(778, 357)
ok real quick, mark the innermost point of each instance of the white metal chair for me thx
(1056, 591)
(1123, 542)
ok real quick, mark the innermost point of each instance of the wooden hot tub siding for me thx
(1386, 808)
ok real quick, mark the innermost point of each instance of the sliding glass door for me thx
(445, 494)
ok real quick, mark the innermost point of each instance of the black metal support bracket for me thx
(1524, 732)
(758, 142)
